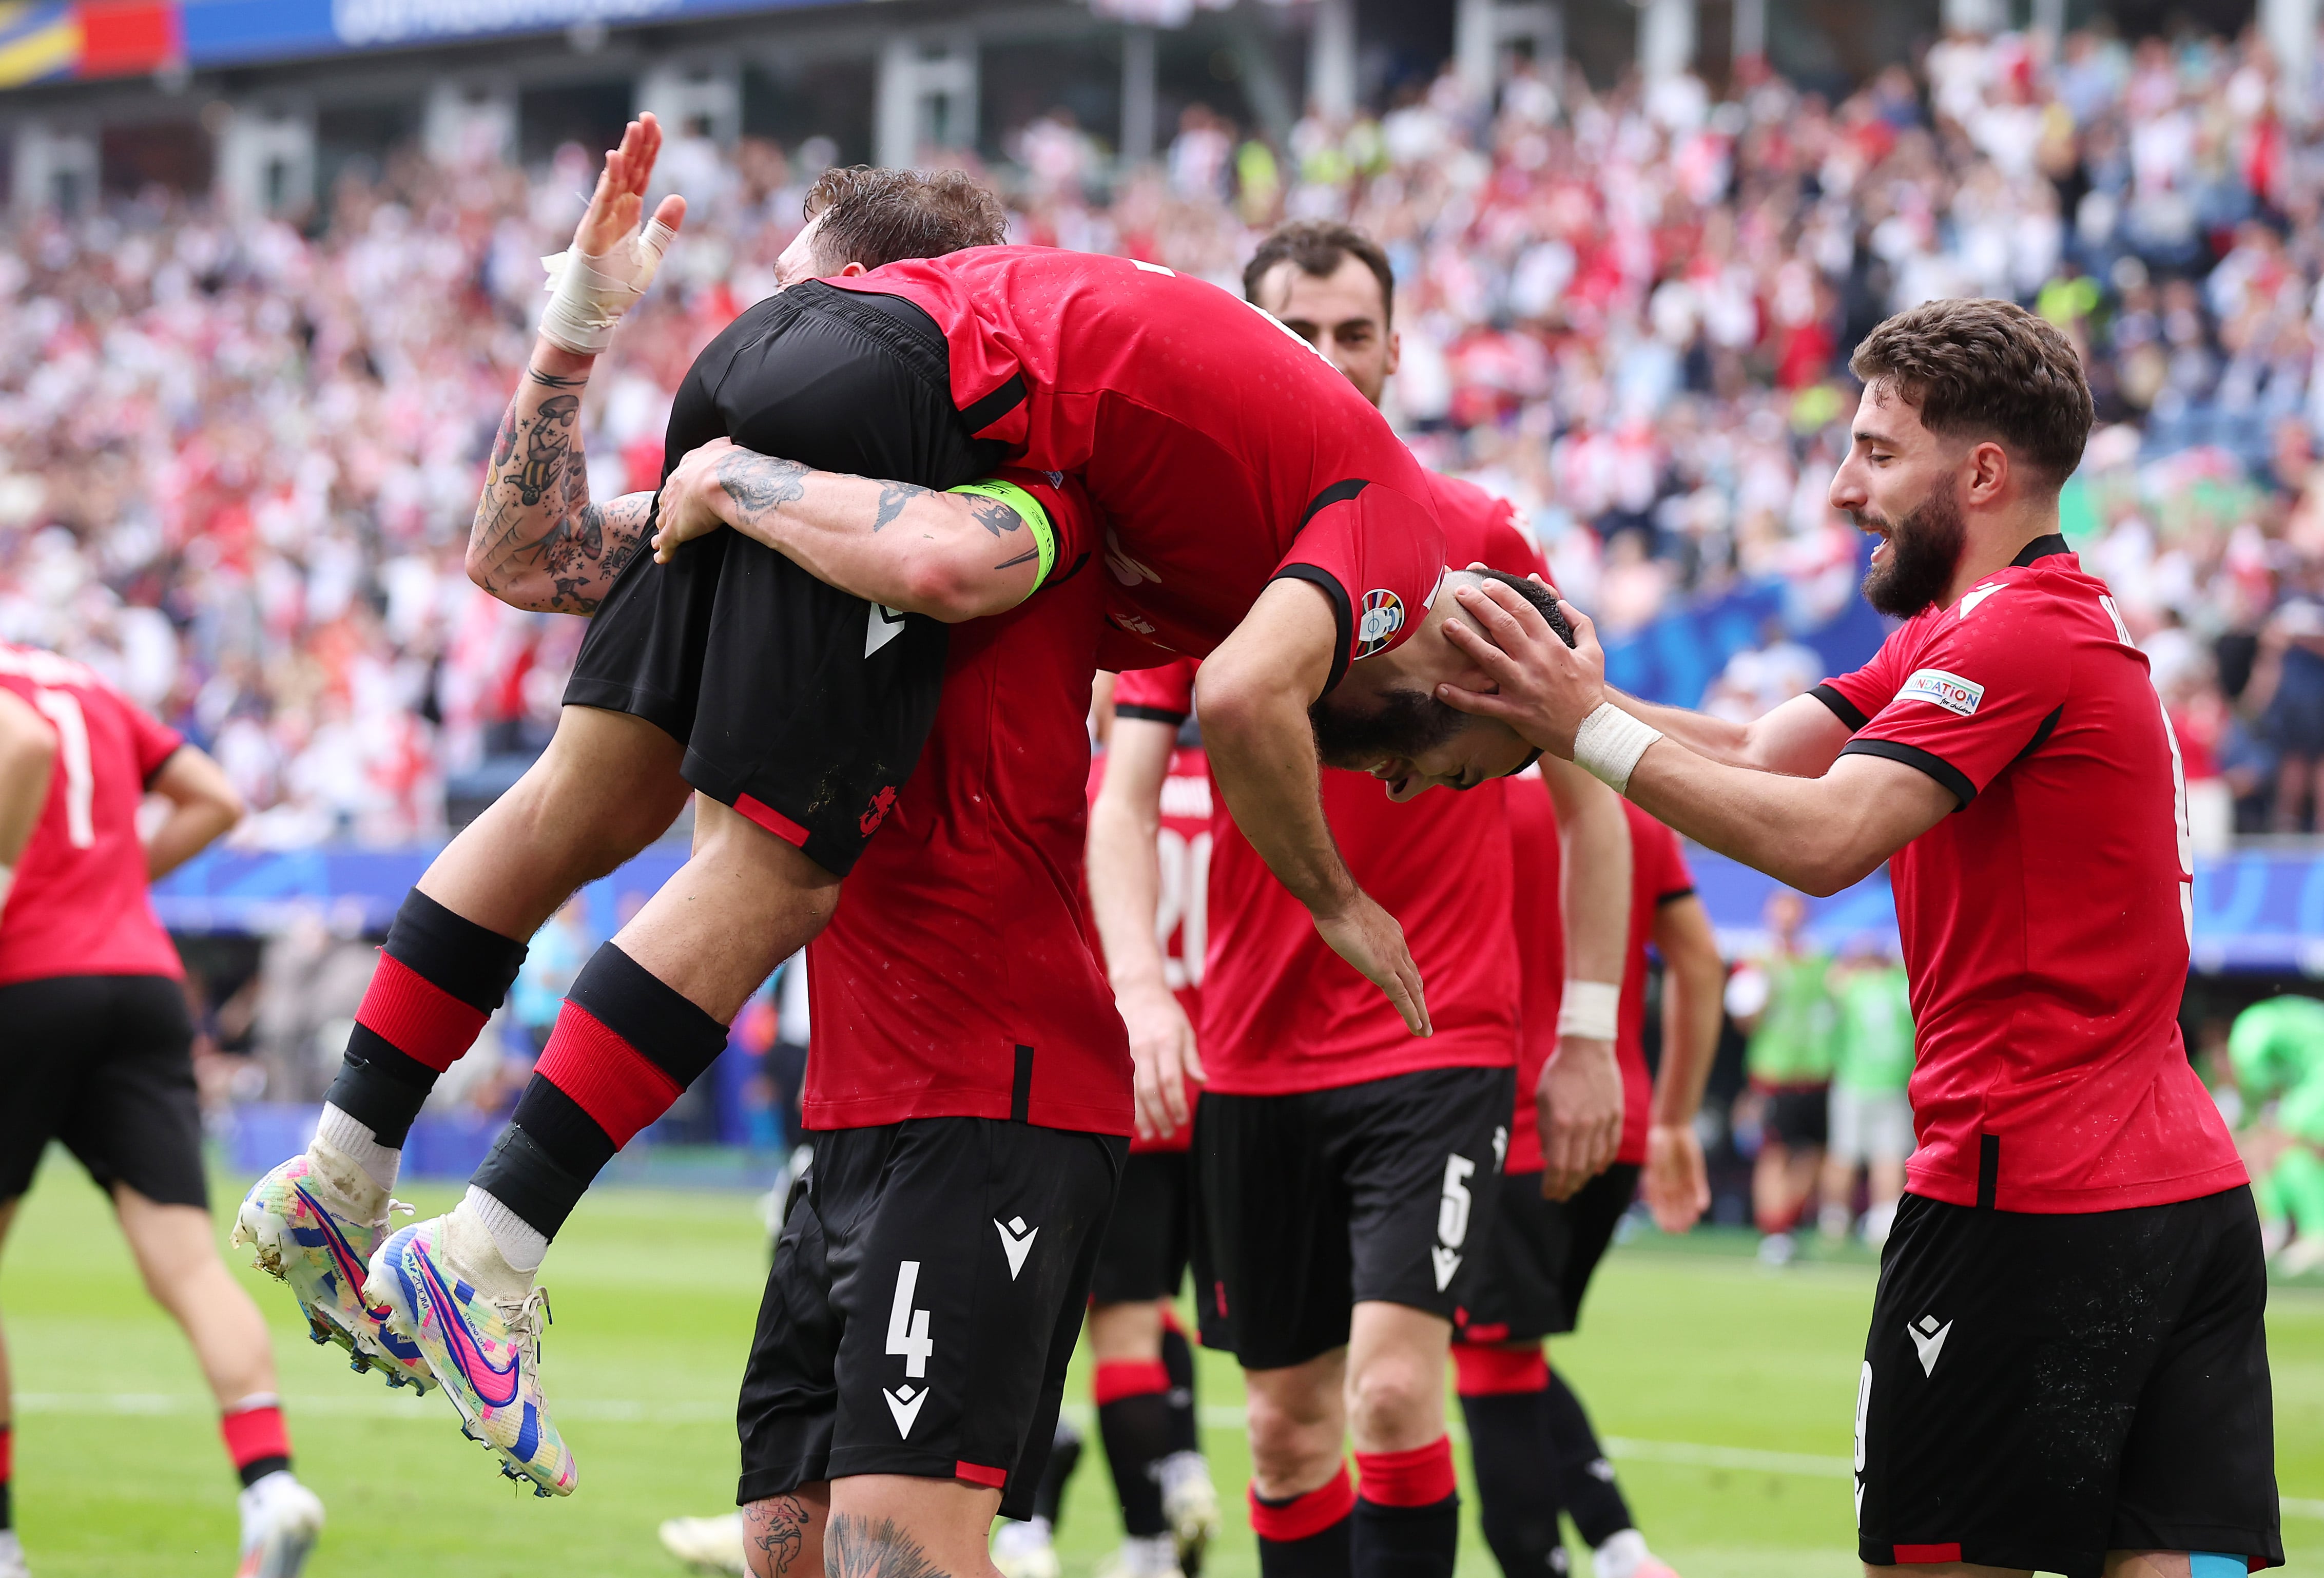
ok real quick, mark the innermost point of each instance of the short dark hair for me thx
(1989, 368)
(875, 216)
(1319, 246)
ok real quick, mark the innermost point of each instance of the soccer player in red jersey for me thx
(2067, 1367)
(1529, 1438)
(1339, 1163)
(99, 1049)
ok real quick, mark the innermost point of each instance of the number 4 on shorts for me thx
(908, 1328)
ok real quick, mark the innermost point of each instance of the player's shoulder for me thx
(38, 666)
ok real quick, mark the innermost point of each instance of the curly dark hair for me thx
(874, 216)
(1988, 368)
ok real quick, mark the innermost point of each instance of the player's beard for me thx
(1924, 548)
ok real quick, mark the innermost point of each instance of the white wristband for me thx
(1590, 1010)
(7, 881)
(1609, 743)
(587, 295)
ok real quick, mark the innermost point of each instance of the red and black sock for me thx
(255, 1438)
(1306, 1536)
(1592, 1500)
(1407, 1521)
(1133, 1420)
(625, 1048)
(1178, 1358)
(1504, 1397)
(439, 979)
(7, 1473)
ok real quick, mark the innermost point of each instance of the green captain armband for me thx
(1028, 510)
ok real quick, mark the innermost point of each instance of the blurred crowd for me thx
(241, 456)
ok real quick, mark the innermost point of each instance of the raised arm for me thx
(1253, 700)
(1125, 882)
(1578, 1101)
(947, 555)
(1801, 738)
(1676, 1186)
(539, 542)
(203, 807)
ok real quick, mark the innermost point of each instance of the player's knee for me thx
(1393, 1399)
(1297, 1448)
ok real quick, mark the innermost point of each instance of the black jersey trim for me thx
(1842, 707)
(1341, 614)
(164, 763)
(1339, 492)
(2041, 735)
(1150, 714)
(2040, 547)
(1021, 1088)
(1955, 780)
(1675, 895)
(990, 410)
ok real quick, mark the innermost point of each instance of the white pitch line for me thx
(1216, 1417)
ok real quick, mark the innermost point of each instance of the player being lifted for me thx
(99, 1048)
(2067, 1367)
(1342, 1170)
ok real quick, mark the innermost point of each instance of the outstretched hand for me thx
(1369, 937)
(1542, 688)
(616, 205)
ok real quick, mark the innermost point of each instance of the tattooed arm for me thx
(949, 556)
(538, 541)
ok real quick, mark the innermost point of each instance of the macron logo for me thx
(1929, 1341)
(1444, 1262)
(905, 1404)
(1975, 595)
(1016, 1243)
(883, 625)
(1950, 691)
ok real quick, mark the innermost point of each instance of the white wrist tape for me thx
(1609, 743)
(587, 295)
(7, 881)
(1590, 1010)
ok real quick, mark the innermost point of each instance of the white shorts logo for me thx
(1950, 691)
(1451, 1219)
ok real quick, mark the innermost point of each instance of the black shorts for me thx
(923, 1305)
(800, 706)
(2040, 1389)
(1307, 1205)
(1540, 1255)
(1143, 1254)
(1798, 1116)
(104, 1064)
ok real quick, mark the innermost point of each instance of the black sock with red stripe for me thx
(439, 977)
(1592, 1500)
(1407, 1521)
(1178, 1360)
(1306, 1536)
(7, 1472)
(1502, 1397)
(625, 1046)
(1133, 1420)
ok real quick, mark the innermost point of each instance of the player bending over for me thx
(2067, 1367)
(99, 1049)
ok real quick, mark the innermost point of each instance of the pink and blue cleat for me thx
(305, 1234)
(484, 1351)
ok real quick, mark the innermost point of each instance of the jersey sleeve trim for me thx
(991, 408)
(1150, 714)
(167, 757)
(1675, 895)
(1342, 612)
(1842, 708)
(1955, 781)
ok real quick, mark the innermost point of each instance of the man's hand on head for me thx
(1541, 687)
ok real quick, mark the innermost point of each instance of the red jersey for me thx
(1658, 874)
(958, 977)
(1221, 450)
(1281, 1012)
(80, 904)
(2046, 923)
(1183, 862)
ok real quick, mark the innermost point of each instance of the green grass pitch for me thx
(1727, 1390)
